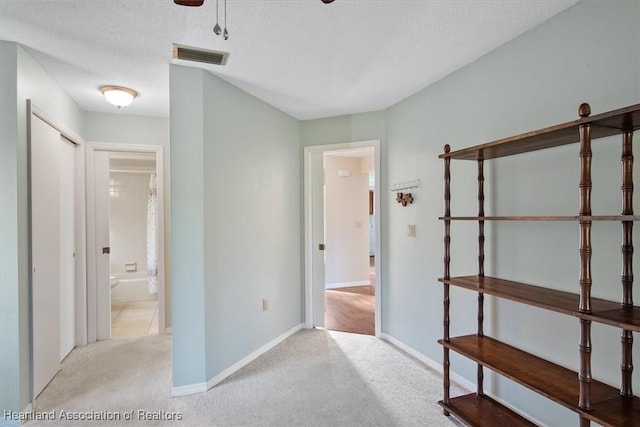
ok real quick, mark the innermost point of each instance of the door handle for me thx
(106, 250)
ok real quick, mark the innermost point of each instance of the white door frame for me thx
(92, 302)
(80, 233)
(308, 222)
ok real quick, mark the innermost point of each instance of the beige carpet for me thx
(314, 378)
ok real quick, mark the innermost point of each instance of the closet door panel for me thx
(45, 251)
(67, 247)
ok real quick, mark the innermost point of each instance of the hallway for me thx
(352, 309)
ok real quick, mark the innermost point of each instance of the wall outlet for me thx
(265, 304)
(411, 230)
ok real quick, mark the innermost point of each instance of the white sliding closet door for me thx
(45, 251)
(53, 228)
(67, 247)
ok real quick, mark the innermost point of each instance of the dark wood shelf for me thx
(482, 411)
(602, 125)
(544, 218)
(548, 379)
(563, 386)
(602, 311)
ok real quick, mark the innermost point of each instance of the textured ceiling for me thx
(304, 57)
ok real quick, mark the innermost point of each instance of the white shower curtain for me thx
(152, 223)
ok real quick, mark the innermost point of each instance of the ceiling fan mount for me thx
(194, 3)
(189, 2)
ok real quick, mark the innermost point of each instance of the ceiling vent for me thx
(188, 53)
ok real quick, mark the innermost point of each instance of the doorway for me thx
(342, 282)
(126, 241)
(133, 264)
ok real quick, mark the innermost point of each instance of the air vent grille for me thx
(199, 55)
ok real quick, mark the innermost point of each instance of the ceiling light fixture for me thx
(119, 96)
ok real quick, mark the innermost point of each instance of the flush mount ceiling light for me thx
(119, 96)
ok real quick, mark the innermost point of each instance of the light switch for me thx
(265, 304)
(411, 230)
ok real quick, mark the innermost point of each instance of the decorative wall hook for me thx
(404, 198)
(405, 185)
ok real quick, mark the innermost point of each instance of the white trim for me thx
(347, 284)
(64, 131)
(202, 387)
(458, 379)
(308, 244)
(186, 390)
(158, 150)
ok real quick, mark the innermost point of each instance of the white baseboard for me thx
(185, 390)
(461, 381)
(202, 387)
(253, 356)
(347, 284)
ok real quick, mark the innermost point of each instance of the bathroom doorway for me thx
(125, 219)
(133, 264)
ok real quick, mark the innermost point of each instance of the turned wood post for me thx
(480, 372)
(626, 276)
(585, 280)
(447, 274)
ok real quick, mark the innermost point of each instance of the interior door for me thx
(102, 247)
(45, 251)
(317, 238)
(67, 247)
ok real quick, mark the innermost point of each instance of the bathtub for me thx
(131, 288)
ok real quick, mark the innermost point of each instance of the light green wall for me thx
(21, 79)
(235, 221)
(334, 130)
(121, 128)
(588, 53)
(11, 386)
(187, 225)
(252, 239)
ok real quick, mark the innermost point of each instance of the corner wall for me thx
(236, 185)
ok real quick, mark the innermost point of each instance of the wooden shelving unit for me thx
(578, 391)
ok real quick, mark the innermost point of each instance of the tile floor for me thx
(134, 319)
